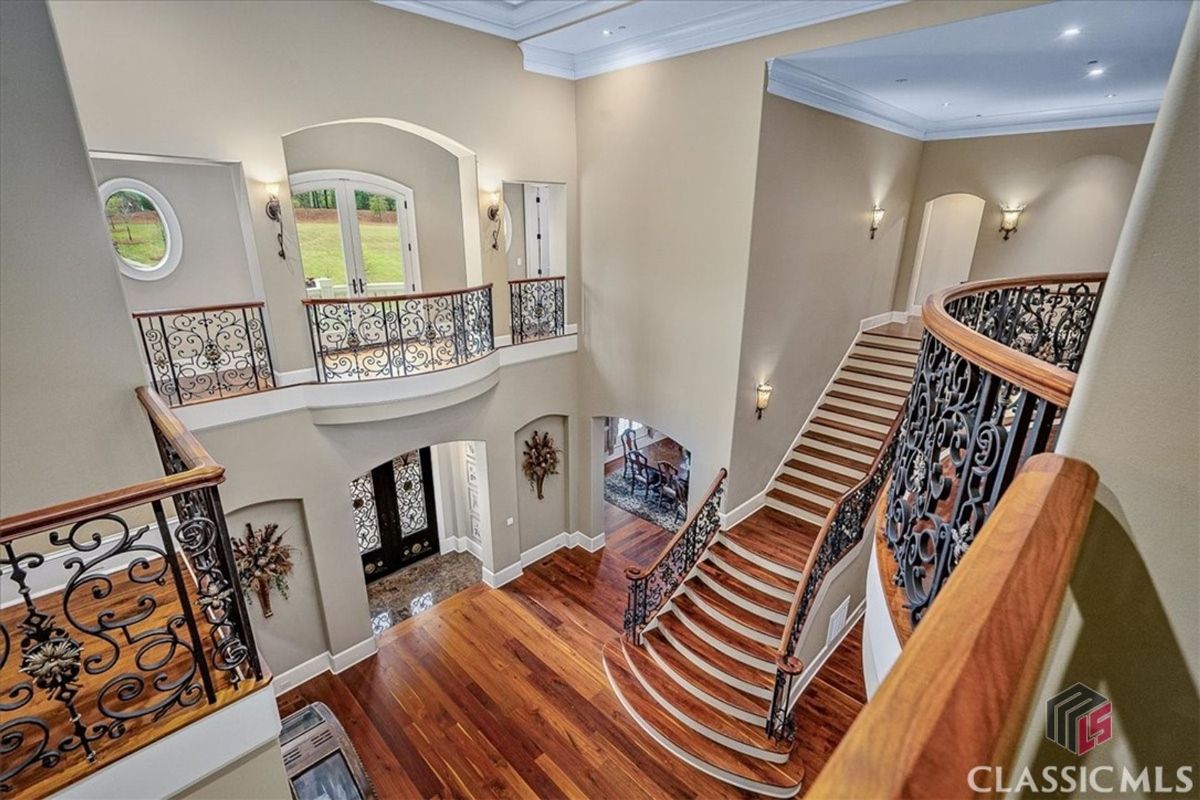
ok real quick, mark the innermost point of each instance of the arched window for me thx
(358, 234)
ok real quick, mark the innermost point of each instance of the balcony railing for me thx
(652, 587)
(206, 353)
(538, 308)
(118, 623)
(391, 337)
(995, 374)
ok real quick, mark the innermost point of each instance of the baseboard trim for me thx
(463, 544)
(324, 662)
(737, 515)
(295, 376)
(503, 576)
(540, 551)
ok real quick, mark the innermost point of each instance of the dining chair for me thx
(628, 447)
(669, 475)
(644, 475)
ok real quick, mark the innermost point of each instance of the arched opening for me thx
(946, 245)
(646, 474)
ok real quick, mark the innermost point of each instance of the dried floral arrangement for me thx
(264, 562)
(541, 459)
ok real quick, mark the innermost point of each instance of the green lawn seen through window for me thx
(321, 250)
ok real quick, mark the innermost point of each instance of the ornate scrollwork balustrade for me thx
(844, 526)
(115, 617)
(206, 353)
(538, 308)
(389, 337)
(994, 377)
(652, 587)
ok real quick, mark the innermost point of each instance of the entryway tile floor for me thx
(416, 588)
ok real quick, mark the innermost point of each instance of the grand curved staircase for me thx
(700, 676)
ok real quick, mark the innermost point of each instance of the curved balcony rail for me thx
(843, 528)
(397, 335)
(652, 587)
(118, 625)
(961, 692)
(994, 376)
(537, 307)
(207, 352)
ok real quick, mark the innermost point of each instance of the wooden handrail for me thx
(1043, 379)
(167, 312)
(636, 573)
(958, 696)
(543, 278)
(317, 301)
(783, 659)
(202, 471)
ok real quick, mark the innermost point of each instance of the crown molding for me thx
(799, 85)
(508, 21)
(750, 21)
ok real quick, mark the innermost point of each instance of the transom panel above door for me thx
(357, 232)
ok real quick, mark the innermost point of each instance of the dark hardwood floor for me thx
(502, 693)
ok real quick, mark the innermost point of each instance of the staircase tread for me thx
(787, 549)
(697, 746)
(751, 569)
(845, 444)
(697, 710)
(891, 348)
(876, 373)
(733, 611)
(902, 336)
(751, 647)
(828, 474)
(866, 401)
(871, 387)
(833, 458)
(798, 501)
(743, 589)
(704, 682)
(855, 430)
(854, 413)
(809, 486)
(891, 362)
(729, 665)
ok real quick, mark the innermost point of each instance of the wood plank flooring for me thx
(502, 692)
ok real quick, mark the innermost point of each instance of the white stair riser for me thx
(901, 372)
(762, 561)
(804, 494)
(717, 615)
(732, 652)
(741, 601)
(718, 673)
(807, 516)
(820, 480)
(701, 695)
(853, 438)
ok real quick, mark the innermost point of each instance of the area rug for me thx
(617, 491)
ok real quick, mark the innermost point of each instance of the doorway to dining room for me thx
(646, 472)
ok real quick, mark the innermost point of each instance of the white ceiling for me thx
(1005, 73)
(580, 38)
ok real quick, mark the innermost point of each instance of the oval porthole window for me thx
(143, 228)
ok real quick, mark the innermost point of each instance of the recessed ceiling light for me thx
(946, 104)
(1110, 95)
(1069, 32)
(607, 32)
(1095, 72)
(901, 80)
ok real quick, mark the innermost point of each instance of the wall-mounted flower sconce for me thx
(762, 396)
(1009, 217)
(275, 214)
(493, 214)
(876, 218)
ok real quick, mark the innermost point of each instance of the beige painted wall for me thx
(294, 632)
(1076, 187)
(429, 170)
(667, 165)
(466, 85)
(815, 273)
(287, 456)
(70, 424)
(539, 520)
(1131, 626)
(257, 776)
(214, 268)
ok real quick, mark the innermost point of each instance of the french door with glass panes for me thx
(358, 235)
(395, 518)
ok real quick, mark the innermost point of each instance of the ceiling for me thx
(1019, 71)
(581, 38)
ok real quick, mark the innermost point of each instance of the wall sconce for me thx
(876, 218)
(275, 215)
(493, 213)
(762, 396)
(1009, 217)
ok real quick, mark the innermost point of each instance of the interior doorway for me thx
(946, 245)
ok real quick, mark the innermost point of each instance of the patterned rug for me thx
(617, 491)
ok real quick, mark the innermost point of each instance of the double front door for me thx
(395, 518)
